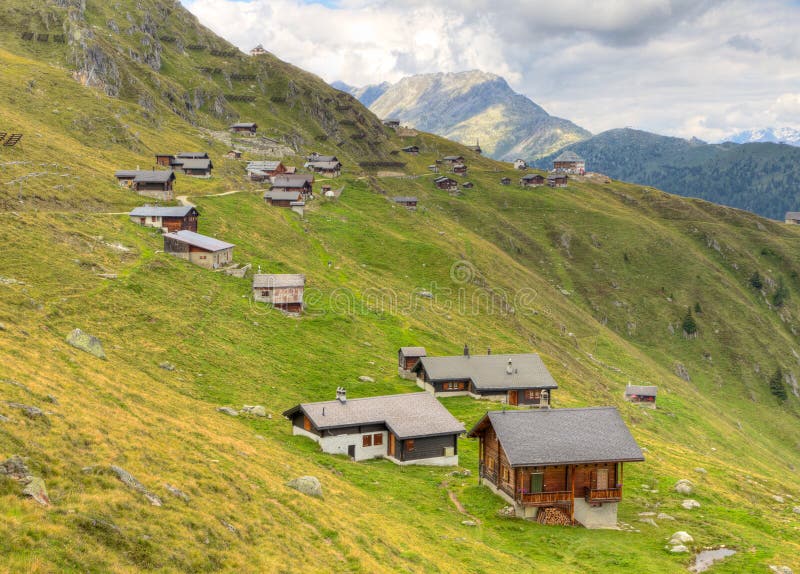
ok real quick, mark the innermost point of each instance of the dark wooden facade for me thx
(532, 397)
(446, 183)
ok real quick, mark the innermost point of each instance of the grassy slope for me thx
(162, 426)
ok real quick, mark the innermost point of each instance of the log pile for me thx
(554, 516)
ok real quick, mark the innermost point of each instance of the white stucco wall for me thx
(604, 516)
(338, 445)
(435, 461)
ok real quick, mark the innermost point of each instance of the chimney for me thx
(466, 350)
(509, 369)
(489, 351)
(341, 394)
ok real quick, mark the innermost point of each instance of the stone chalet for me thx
(520, 379)
(282, 291)
(406, 429)
(198, 249)
(566, 460)
(166, 218)
(645, 394)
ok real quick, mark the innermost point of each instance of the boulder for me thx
(469, 523)
(684, 486)
(130, 481)
(228, 411)
(167, 366)
(29, 411)
(796, 509)
(781, 569)
(682, 372)
(664, 516)
(4, 419)
(255, 410)
(15, 468)
(86, 342)
(507, 511)
(679, 548)
(681, 537)
(690, 503)
(177, 492)
(366, 379)
(649, 521)
(37, 491)
(700, 470)
(308, 485)
(778, 498)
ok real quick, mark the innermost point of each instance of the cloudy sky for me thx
(703, 68)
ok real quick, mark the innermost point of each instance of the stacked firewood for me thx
(553, 515)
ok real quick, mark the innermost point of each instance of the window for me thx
(490, 464)
(453, 386)
(532, 394)
(377, 439)
(505, 473)
(410, 445)
(366, 440)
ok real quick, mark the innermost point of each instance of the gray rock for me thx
(29, 411)
(649, 521)
(664, 516)
(15, 468)
(643, 514)
(700, 470)
(255, 410)
(4, 419)
(177, 492)
(52, 399)
(86, 342)
(684, 486)
(37, 491)
(796, 509)
(681, 537)
(690, 503)
(425, 294)
(778, 498)
(469, 523)
(2, 327)
(366, 379)
(682, 372)
(308, 485)
(130, 481)
(781, 569)
(167, 366)
(228, 411)
(678, 548)
(507, 511)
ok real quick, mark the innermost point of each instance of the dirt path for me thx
(460, 507)
(184, 199)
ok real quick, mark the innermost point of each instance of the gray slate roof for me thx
(278, 280)
(442, 178)
(262, 165)
(405, 199)
(452, 158)
(792, 215)
(292, 180)
(192, 155)
(569, 156)
(202, 241)
(641, 390)
(531, 176)
(488, 372)
(282, 195)
(408, 415)
(195, 163)
(322, 158)
(330, 165)
(154, 211)
(145, 176)
(563, 436)
(413, 351)
(244, 125)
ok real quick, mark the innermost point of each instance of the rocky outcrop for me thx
(308, 485)
(86, 342)
(130, 481)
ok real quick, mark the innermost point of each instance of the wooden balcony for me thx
(603, 495)
(545, 498)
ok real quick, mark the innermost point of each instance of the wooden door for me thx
(351, 451)
(602, 478)
(512, 397)
(391, 444)
(537, 482)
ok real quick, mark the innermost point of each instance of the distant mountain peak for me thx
(786, 135)
(468, 106)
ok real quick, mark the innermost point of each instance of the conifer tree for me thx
(776, 385)
(689, 324)
(755, 280)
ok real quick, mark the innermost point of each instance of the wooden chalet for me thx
(258, 51)
(475, 148)
(645, 394)
(567, 460)
(532, 180)
(264, 170)
(412, 149)
(459, 169)
(282, 291)
(323, 158)
(411, 428)
(792, 217)
(394, 124)
(451, 159)
(166, 218)
(247, 128)
(520, 164)
(282, 198)
(519, 379)
(198, 249)
(433, 168)
(569, 162)
(557, 180)
(234, 154)
(407, 201)
(194, 163)
(155, 184)
(300, 182)
(327, 168)
(165, 159)
(444, 182)
(505, 181)
(407, 357)
(467, 185)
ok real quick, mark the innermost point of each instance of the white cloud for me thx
(683, 67)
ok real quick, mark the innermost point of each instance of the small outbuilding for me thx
(531, 180)
(327, 168)
(282, 198)
(412, 149)
(792, 217)
(283, 291)
(166, 218)
(155, 184)
(407, 201)
(246, 128)
(411, 428)
(645, 394)
(505, 181)
(557, 180)
(520, 164)
(452, 159)
(264, 170)
(446, 183)
(300, 182)
(459, 169)
(198, 249)
(234, 154)
(407, 357)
